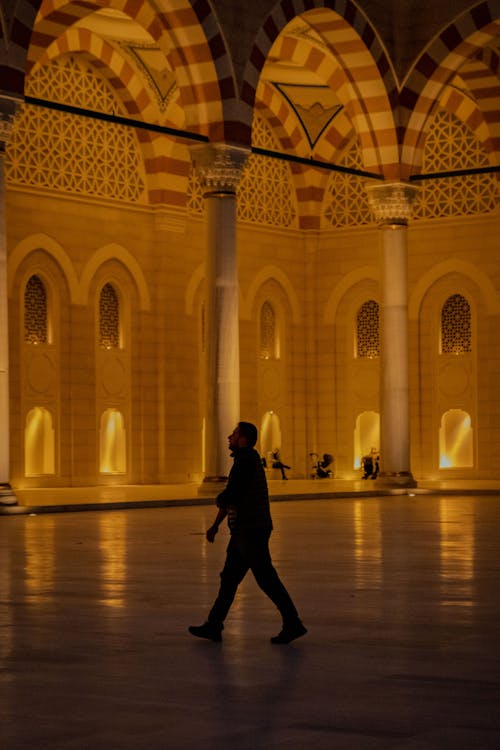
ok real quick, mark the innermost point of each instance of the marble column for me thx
(391, 205)
(220, 167)
(7, 495)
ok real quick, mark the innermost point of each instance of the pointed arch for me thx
(55, 250)
(453, 266)
(442, 59)
(114, 251)
(362, 74)
(348, 281)
(266, 274)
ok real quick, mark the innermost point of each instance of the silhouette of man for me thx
(245, 503)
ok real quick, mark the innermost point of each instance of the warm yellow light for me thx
(455, 440)
(113, 444)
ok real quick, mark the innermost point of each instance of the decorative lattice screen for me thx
(109, 318)
(451, 145)
(456, 335)
(35, 312)
(367, 330)
(267, 331)
(71, 153)
(346, 201)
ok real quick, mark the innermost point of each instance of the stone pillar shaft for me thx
(220, 168)
(391, 204)
(222, 334)
(7, 496)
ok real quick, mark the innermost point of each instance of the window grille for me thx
(267, 331)
(109, 318)
(35, 312)
(367, 330)
(456, 337)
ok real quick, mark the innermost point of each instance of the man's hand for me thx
(211, 532)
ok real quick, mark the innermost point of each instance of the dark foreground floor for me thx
(401, 596)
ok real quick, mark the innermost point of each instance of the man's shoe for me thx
(290, 633)
(208, 630)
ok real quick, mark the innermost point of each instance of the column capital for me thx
(219, 166)
(8, 109)
(391, 202)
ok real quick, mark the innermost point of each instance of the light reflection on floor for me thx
(400, 596)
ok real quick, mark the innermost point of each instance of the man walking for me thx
(245, 503)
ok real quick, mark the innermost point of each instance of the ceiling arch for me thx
(449, 54)
(337, 48)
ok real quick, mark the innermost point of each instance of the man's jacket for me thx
(245, 497)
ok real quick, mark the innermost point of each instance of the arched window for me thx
(269, 343)
(366, 436)
(456, 336)
(39, 443)
(455, 440)
(35, 312)
(113, 456)
(367, 330)
(109, 318)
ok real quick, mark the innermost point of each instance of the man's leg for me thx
(234, 571)
(256, 552)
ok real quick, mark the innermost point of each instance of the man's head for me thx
(244, 435)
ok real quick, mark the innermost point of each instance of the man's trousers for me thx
(250, 551)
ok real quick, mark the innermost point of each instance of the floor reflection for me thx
(457, 553)
(39, 558)
(113, 550)
(367, 544)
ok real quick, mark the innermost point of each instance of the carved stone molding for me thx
(219, 166)
(391, 202)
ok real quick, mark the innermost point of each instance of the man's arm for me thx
(214, 528)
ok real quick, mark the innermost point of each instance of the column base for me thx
(395, 479)
(7, 495)
(212, 485)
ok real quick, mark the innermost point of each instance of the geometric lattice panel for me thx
(195, 202)
(451, 145)
(456, 335)
(109, 318)
(70, 153)
(346, 201)
(367, 330)
(267, 331)
(266, 193)
(35, 312)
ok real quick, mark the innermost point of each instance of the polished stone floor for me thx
(401, 596)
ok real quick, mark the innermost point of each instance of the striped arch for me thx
(309, 183)
(444, 57)
(111, 65)
(160, 154)
(363, 79)
(282, 119)
(466, 109)
(482, 78)
(183, 37)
